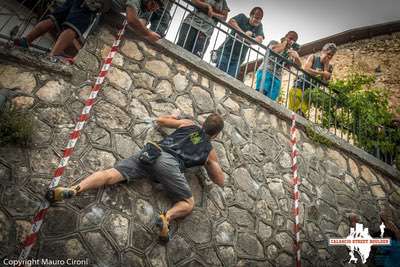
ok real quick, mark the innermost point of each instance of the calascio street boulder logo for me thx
(360, 241)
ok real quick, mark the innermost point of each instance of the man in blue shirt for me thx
(233, 51)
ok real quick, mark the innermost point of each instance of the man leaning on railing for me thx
(134, 9)
(269, 74)
(198, 26)
(233, 51)
(316, 66)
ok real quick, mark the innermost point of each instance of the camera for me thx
(295, 46)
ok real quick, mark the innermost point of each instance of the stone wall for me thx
(248, 222)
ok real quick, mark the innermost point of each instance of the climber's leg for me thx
(127, 169)
(166, 170)
(100, 178)
(180, 209)
(95, 180)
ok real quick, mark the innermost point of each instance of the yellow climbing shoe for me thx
(60, 193)
(163, 224)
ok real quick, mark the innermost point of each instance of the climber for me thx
(188, 146)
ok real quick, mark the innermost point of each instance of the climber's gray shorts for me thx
(165, 170)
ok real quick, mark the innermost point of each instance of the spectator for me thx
(233, 51)
(71, 20)
(274, 64)
(134, 10)
(159, 20)
(198, 27)
(315, 66)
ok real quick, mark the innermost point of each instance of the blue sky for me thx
(312, 19)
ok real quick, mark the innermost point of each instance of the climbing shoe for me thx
(21, 42)
(61, 193)
(163, 224)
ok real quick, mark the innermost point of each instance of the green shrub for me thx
(360, 108)
(16, 127)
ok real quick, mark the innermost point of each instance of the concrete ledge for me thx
(33, 59)
(241, 89)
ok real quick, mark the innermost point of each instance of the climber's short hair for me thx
(213, 125)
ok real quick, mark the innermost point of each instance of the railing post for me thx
(288, 89)
(255, 68)
(238, 59)
(264, 70)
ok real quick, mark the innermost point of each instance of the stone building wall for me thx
(248, 222)
(378, 56)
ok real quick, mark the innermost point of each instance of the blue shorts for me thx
(165, 170)
(271, 87)
(72, 14)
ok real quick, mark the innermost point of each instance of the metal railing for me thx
(177, 31)
(322, 104)
(318, 102)
(309, 96)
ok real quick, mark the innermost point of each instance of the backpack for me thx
(101, 6)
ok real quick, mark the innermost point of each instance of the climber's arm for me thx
(171, 121)
(214, 171)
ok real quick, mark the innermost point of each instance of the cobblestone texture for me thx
(246, 223)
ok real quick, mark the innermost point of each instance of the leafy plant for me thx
(316, 137)
(359, 109)
(15, 127)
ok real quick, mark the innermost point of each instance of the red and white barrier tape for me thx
(296, 193)
(83, 118)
